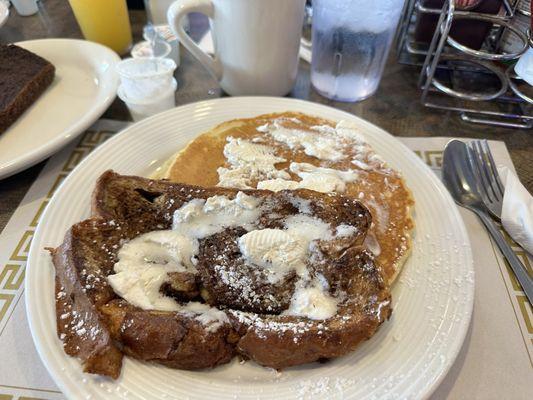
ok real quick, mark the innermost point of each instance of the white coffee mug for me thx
(256, 42)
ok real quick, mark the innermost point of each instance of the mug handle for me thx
(175, 14)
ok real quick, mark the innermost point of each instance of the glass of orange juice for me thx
(105, 22)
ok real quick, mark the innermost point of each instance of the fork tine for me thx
(497, 182)
(478, 162)
(487, 170)
(472, 154)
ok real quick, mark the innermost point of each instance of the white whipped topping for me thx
(351, 131)
(323, 179)
(211, 317)
(276, 185)
(282, 250)
(329, 143)
(143, 266)
(380, 214)
(307, 228)
(321, 141)
(314, 143)
(303, 205)
(248, 162)
(361, 164)
(364, 158)
(201, 218)
(319, 179)
(145, 261)
(345, 230)
(240, 151)
(329, 130)
(312, 301)
(252, 162)
(274, 250)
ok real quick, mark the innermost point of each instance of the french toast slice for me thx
(98, 326)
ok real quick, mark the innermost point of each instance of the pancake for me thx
(291, 150)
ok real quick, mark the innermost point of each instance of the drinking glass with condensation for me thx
(105, 22)
(351, 42)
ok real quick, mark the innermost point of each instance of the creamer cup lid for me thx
(149, 100)
(142, 68)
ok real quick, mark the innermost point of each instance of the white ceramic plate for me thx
(84, 86)
(407, 358)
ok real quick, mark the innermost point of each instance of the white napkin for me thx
(524, 66)
(517, 210)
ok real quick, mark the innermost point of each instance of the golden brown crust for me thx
(282, 341)
(81, 328)
(168, 338)
(104, 326)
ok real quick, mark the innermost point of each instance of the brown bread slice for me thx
(124, 207)
(24, 76)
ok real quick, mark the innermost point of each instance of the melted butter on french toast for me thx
(294, 150)
(262, 261)
(227, 305)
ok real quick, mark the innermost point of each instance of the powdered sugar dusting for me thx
(324, 387)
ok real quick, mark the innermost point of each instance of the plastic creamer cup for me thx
(165, 100)
(143, 79)
(165, 33)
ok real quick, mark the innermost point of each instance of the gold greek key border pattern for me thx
(518, 299)
(12, 273)
(59, 180)
(433, 158)
(11, 276)
(32, 389)
(19, 256)
(11, 393)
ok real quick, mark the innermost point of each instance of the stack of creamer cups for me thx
(147, 84)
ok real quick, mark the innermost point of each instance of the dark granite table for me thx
(395, 107)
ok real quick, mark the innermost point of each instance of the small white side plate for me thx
(84, 86)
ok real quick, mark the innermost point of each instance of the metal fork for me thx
(465, 187)
(490, 188)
